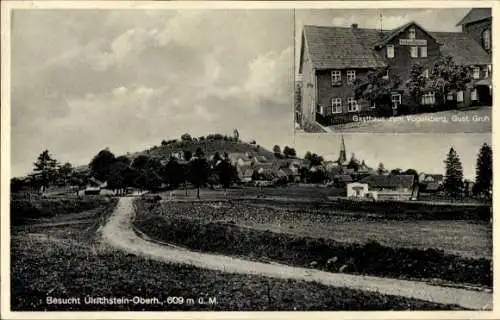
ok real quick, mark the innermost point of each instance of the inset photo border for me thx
(400, 70)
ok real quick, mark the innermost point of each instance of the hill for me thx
(209, 147)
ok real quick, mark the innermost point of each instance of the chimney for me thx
(354, 26)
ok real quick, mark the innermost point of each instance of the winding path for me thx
(118, 233)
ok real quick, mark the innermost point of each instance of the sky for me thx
(434, 19)
(84, 80)
(422, 152)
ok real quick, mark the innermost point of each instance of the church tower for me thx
(342, 156)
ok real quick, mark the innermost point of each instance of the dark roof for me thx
(341, 47)
(389, 181)
(463, 49)
(474, 15)
(433, 186)
(343, 178)
(435, 177)
(338, 48)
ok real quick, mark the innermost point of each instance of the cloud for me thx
(129, 79)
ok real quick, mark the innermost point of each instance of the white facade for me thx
(357, 190)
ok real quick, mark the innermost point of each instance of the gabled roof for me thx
(389, 181)
(340, 48)
(476, 14)
(463, 49)
(399, 30)
(434, 177)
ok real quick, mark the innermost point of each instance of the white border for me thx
(7, 6)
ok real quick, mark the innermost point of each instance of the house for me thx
(94, 186)
(245, 174)
(359, 190)
(342, 180)
(477, 24)
(431, 183)
(333, 58)
(240, 158)
(392, 187)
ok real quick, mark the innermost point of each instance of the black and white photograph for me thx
(394, 70)
(163, 160)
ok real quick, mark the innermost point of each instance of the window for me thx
(426, 73)
(321, 110)
(396, 100)
(460, 96)
(475, 72)
(390, 51)
(336, 77)
(423, 52)
(428, 98)
(336, 105)
(352, 105)
(450, 96)
(351, 76)
(414, 52)
(412, 33)
(473, 95)
(486, 39)
(487, 71)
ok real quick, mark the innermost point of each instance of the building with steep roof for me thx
(332, 59)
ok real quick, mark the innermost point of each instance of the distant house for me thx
(392, 187)
(94, 186)
(245, 174)
(240, 159)
(477, 24)
(357, 190)
(342, 180)
(431, 183)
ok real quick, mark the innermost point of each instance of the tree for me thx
(116, 176)
(453, 181)
(187, 154)
(173, 173)
(446, 76)
(315, 160)
(16, 185)
(227, 173)
(484, 171)
(277, 150)
(381, 169)
(64, 172)
(100, 164)
(353, 163)
(308, 156)
(186, 137)
(412, 172)
(123, 159)
(46, 167)
(376, 87)
(199, 170)
(289, 152)
(216, 158)
(236, 135)
(140, 162)
(396, 172)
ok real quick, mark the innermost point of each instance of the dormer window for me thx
(336, 77)
(486, 39)
(476, 72)
(412, 33)
(390, 51)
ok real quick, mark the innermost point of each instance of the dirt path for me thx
(119, 234)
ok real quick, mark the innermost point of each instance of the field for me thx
(62, 256)
(468, 239)
(224, 228)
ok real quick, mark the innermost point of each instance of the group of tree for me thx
(454, 183)
(287, 152)
(148, 173)
(443, 77)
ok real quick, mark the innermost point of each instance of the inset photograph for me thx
(393, 70)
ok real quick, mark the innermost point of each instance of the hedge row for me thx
(369, 259)
(23, 209)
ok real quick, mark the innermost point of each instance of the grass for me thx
(370, 258)
(467, 239)
(43, 267)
